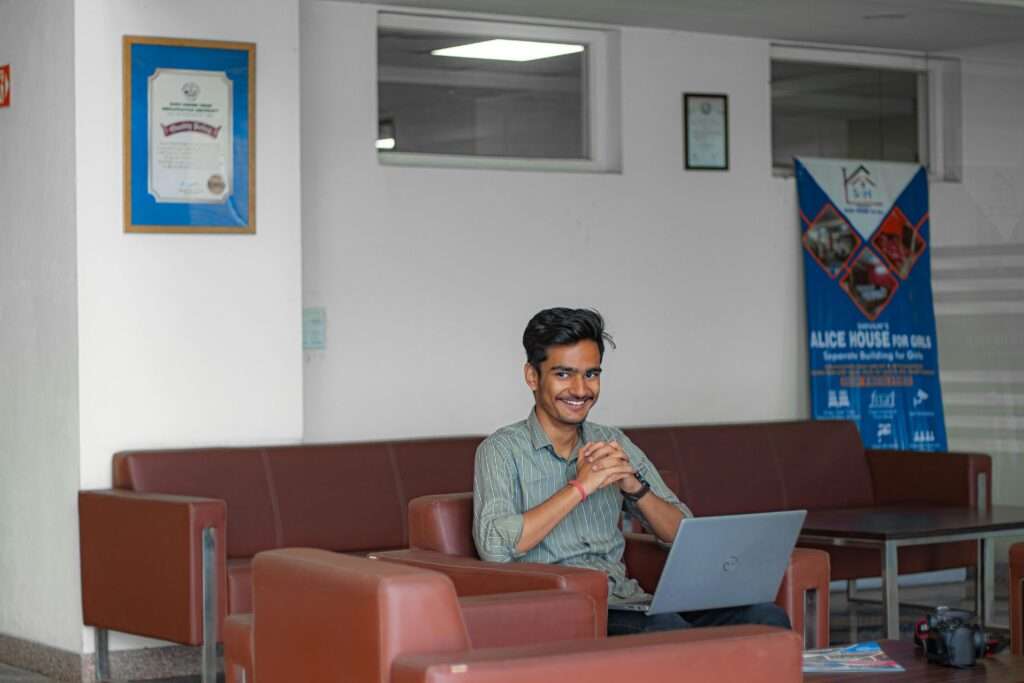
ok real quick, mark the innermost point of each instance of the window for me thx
(861, 105)
(478, 93)
(824, 110)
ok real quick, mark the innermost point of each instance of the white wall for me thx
(428, 275)
(187, 340)
(978, 270)
(987, 208)
(38, 347)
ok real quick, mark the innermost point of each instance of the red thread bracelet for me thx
(575, 483)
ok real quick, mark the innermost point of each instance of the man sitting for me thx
(551, 488)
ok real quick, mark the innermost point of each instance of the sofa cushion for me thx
(344, 497)
(757, 467)
(432, 466)
(341, 497)
(823, 464)
(235, 475)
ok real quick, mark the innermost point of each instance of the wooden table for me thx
(1003, 668)
(889, 528)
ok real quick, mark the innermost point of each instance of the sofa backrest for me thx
(757, 467)
(347, 497)
(352, 497)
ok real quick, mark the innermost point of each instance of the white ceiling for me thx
(919, 25)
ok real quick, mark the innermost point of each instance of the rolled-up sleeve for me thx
(497, 513)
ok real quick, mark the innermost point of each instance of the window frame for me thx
(939, 125)
(601, 122)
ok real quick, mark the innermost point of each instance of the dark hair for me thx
(561, 327)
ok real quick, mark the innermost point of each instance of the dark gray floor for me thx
(850, 621)
(9, 674)
(863, 621)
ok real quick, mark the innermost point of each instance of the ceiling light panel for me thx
(508, 50)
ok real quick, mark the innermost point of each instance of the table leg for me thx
(985, 581)
(890, 595)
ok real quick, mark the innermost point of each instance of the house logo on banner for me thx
(859, 187)
(870, 318)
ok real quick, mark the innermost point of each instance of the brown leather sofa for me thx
(143, 541)
(441, 538)
(317, 614)
(757, 467)
(172, 513)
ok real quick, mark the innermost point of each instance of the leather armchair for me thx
(443, 525)
(321, 616)
(511, 619)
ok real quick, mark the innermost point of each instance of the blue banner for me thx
(870, 320)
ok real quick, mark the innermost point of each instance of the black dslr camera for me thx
(951, 638)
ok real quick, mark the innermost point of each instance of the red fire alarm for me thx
(5, 85)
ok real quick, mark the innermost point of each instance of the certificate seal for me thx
(216, 184)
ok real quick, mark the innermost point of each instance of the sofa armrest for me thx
(644, 557)
(443, 523)
(529, 617)
(476, 577)
(731, 654)
(141, 558)
(808, 570)
(938, 478)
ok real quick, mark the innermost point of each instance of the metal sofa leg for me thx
(209, 665)
(102, 654)
(810, 633)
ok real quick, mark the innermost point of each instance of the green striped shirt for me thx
(517, 469)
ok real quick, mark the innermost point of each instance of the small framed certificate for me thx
(189, 131)
(706, 131)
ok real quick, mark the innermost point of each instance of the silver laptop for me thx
(724, 562)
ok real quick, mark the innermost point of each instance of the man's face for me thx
(567, 386)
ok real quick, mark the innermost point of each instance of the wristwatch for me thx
(645, 487)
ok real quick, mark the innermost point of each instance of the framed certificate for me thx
(706, 131)
(189, 133)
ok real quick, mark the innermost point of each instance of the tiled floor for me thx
(9, 674)
(851, 621)
(862, 621)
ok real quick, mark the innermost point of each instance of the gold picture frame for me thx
(189, 110)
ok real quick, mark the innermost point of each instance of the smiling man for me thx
(551, 488)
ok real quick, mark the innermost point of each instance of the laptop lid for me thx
(727, 561)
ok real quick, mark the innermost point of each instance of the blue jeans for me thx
(622, 623)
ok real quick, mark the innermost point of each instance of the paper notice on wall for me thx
(314, 329)
(190, 136)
